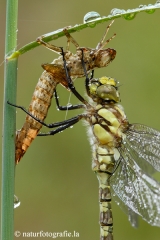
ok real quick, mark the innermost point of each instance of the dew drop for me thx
(16, 202)
(104, 16)
(141, 6)
(69, 105)
(144, 6)
(129, 16)
(76, 25)
(109, 16)
(71, 126)
(116, 11)
(90, 16)
(150, 11)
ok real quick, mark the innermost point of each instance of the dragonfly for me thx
(54, 74)
(124, 155)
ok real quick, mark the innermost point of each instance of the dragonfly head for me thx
(104, 89)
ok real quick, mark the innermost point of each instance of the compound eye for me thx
(108, 92)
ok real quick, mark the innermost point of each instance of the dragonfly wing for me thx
(132, 216)
(138, 192)
(144, 144)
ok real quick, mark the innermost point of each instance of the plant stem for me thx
(115, 13)
(9, 124)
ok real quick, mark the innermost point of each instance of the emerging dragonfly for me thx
(124, 155)
(54, 73)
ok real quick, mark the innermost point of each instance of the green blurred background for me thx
(54, 181)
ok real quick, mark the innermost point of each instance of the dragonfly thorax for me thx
(108, 123)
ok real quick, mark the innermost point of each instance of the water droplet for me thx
(116, 11)
(150, 11)
(76, 25)
(129, 16)
(144, 6)
(16, 202)
(109, 16)
(69, 105)
(104, 16)
(54, 34)
(90, 16)
(71, 126)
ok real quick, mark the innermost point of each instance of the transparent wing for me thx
(137, 192)
(144, 144)
(132, 216)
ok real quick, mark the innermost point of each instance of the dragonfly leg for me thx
(68, 122)
(28, 113)
(49, 46)
(69, 107)
(60, 129)
(62, 125)
(87, 81)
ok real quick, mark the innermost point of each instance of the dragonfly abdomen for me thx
(106, 219)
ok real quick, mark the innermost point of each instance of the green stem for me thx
(9, 124)
(115, 13)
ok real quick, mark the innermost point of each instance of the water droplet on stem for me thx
(16, 202)
(129, 16)
(91, 16)
(116, 11)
